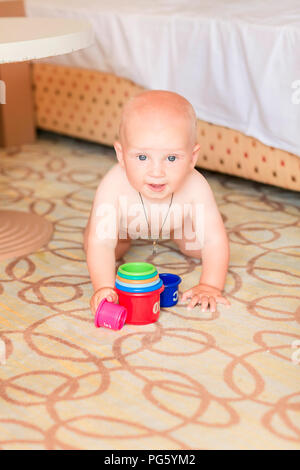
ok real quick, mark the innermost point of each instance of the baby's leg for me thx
(122, 247)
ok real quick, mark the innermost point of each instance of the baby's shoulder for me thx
(197, 177)
(196, 186)
(115, 173)
(113, 185)
(114, 180)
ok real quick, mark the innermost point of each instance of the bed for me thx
(234, 60)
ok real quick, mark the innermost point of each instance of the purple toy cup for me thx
(110, 315)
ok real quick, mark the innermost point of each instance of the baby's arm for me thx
(102, 241)
(214, 253)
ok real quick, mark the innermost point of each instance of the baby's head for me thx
(157, 142)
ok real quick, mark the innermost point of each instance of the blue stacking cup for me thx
(139, 286)
(139, 289)
(169, 296)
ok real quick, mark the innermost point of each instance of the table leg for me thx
(17, 124)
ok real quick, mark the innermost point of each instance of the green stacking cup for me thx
(131, 280)
(137, 270)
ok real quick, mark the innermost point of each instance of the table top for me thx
(23, 38)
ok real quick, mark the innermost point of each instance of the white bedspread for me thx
(235, 60)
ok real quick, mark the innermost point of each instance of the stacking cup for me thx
(110, 315)
(142, 308)
(139, 287)
(137, 281)
(141, 270)
(169, 296)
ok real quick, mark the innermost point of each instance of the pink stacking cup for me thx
(110, 315)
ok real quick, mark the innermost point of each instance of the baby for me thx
(154, 191)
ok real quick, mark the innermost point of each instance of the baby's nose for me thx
(157, 170)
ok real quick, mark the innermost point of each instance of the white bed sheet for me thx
(237, 61)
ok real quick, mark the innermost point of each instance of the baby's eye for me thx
(142, 157)
(171, 158)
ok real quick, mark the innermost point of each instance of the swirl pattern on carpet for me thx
(193, 380)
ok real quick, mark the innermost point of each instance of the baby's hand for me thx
(107, 293)
(205, 295)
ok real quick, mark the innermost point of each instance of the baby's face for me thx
(157, 154)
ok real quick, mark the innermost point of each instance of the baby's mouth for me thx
(157, 187)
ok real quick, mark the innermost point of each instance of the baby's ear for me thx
(195, 154)
(119, 152)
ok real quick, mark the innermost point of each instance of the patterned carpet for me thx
(227, 380)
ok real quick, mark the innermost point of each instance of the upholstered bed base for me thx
(87, 104)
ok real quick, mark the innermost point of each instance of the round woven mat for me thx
(22, 233)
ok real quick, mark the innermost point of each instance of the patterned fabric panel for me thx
(88, 104)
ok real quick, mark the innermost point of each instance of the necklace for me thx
(160, 232)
